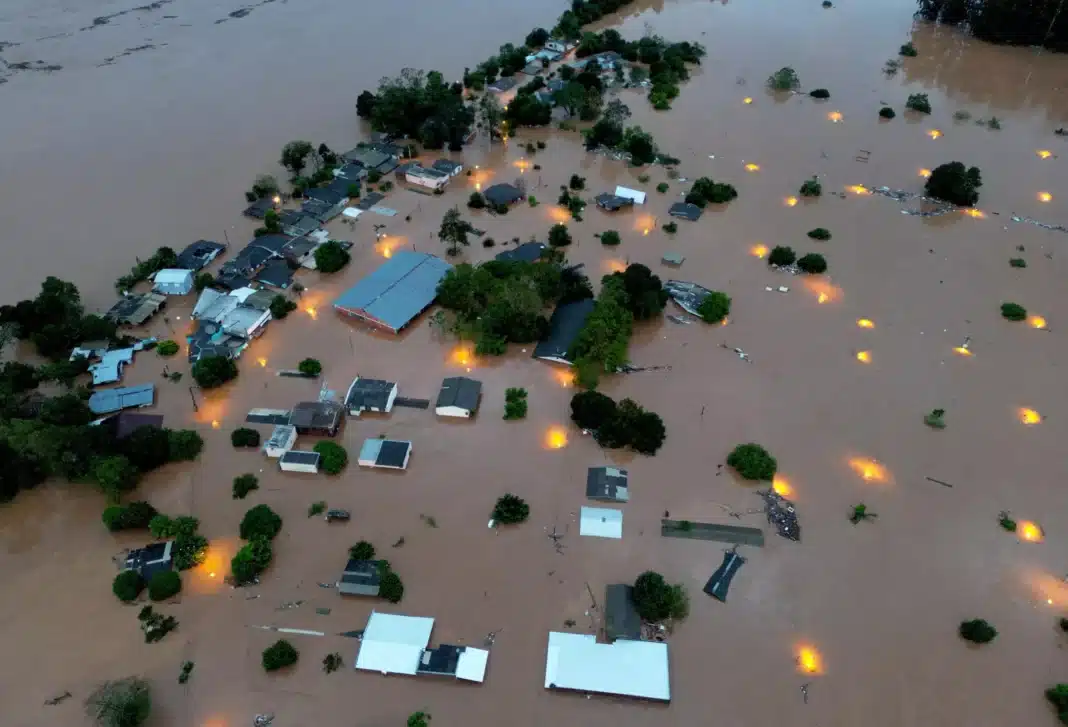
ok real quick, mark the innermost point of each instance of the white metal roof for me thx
(173, 275)
(601, 522)
(628, 193)
(472, 665)
(628, 668)
(393, 644)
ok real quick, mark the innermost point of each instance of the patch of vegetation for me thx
(812, 263)
(576, 182)
(510, 510)
(421, 106)
(310, 367)
(251, 559)
(332, 456)
(1013, 312)
(122, 703)
(332, 662)
(476, 201)
(784, 79)
(811, 188)
(820, 93)
(155, 625)
(129, 517)
(187, 670)
(936, 419)
(705, 191)
(908, 50)
(279, 655)
(657, 600)
(419, 719)
(260, 521)
(163, 257)
(861, 513)
(331, 257)
(1018, 262)
(918, 102)
(245, 437)
(663, 187)
(167, 348)
(127, 585)
(886, 113)
(781, 255)
(244, 484)
(430, 520)
(317, 508)
(962, 115)
(954, 183)
(820, 233)
(211, 372)
(614, 426)
(1006, 522)
(515, 403)
(977, 631)
(532, 201)
(362, 551)
(753, 462)
(1057, 695)
(670, 227)
(390, 586)
(164, 585)
(610, 238)
(993, 123)
(202, 280)
(55, 321)
(281, 307)
(715, 307)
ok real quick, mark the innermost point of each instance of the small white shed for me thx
(628, 193)
(601, 522)
(296, 460)
(282, 440)
(173, 281)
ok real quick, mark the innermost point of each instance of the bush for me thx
(532, 201)
(331, 257)
(886, 113)
(811, 188)
(1018, 262)
(752, 462)
(281, 307)
(782, 255)
(123, 703)
(1058, 697)
(936, 419)
(167, 348)
(251, 560)
(476, 201)
(954, 183)
(115, 475)
(185, 444)
(559, 236)
(820, 233)
(656, 600)
(610, 238)
(510, 509)
(162, 526)
(908, 50)
(214, 371)
(715, 307)
(134, 515)
(1013, 311)
(918, 102)
(576, 182)
(390, 586)
(419, 719)
(279, 655)
(644, 294)
(592, 409)
(515, 403)
(784, 79)
(244, 484)
(164, 584)
(189, 551)
(634, 427)
(705, 191)
(310, 367)
(663, 187)
(362, 551)
(820, 93)
(671, 227)
(812, 263)
(977, 631)
(260, 521)
(245, 437)
(128, 585)
(332, 457)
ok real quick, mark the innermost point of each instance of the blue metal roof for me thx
(402, 288)
(122, 397)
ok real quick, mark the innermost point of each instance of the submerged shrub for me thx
(1018, 262)
(977, 631)
(128, 585)
(886, 113)
(279, 655)
(820, 233)
(811, 188)
(908, 50)
(610, 237)
(164, 584)
(715, 307)
(657, 600)
(812, 263)
(752, 462)
(784, 79)
(782, 255)
(954, 183)
(819, 93)
(510, 509)
(918, 102)
(1013, 311)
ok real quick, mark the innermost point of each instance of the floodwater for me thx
(106, 162)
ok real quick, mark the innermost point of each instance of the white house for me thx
(628, 193)
(173, 281)
(601, 522)
(459, 397)
(282, 440)
(385, 453)
(296, 460)
(557, 45)
(624, 667)
(429, 178)
(395, 644)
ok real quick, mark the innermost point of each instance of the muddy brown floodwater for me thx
(128, 147)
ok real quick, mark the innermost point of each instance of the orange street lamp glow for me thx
(977, 214)
(310, 310)
(752, 167)
(859, 189)
(262, 362)
(214, 423)
(1030, 532)
(747, 100)
(809, 661)
(564, 377)
(1044, 153)
(1037, 322)
(559, 214)
(478, 186)
(864, 356)
(865, 323)
(462, 355)
(782, 487)
(759, 251)
(823, 298)
(1028, 416)
(962, 351)
(791, 201)
(1045, 197)
(615, 266)
(835, 116)
(868, 469)
(645, 231)
(934, 133)
(925, 173)
(387, 251)
(556, 438)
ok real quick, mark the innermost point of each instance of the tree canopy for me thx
(657, 600)
(454, 231)
(645, 294)
(260, 521)
(55, 321)
(331, 257)
(122, 703)
(954, 183)
(213, 371)
(421, 106)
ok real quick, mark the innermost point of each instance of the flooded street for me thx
(107, 160)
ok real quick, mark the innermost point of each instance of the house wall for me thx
(296, 467)
(428, 182)
(452, 411)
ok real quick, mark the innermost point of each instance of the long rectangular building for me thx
(398, 291)
(628, 668)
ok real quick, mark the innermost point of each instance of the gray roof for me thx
(447, 166)
(298, 456)
(136, 309)
(503, 194)
(369, 158)
(461, 392)
(368, 394)
(399, 290)
(686, 295)
(503, 84)
(361, 578)
(393, 453)
(316, 415)
(109, 369)
(720, 582)
(527, 252)
(607, 483)
(685, 210)
(612, 202)
(260, 300)
(122, 397)
(621, 619)
(442, 660)
(276, 274)
(351, 172)
(199, 254)
(564, 326)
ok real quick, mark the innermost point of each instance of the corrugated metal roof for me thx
(564, 326)
(122, 397)
(601, 522)
(629, 668)
(399, 290)
(393, 643)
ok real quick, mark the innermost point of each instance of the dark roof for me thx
(399, 290)
(126, 423)
(393, 453)
(361, 578)
(621, 619)
(276, 274)
(369, 200)
(297, 456)
(324, 194)
(271, 243)
(295, 222)
(503, 84)
(441, 660)
(340, 187)
(210, 340)
(317, 209)
(150, 560)
(246, 262)
(461, 392)
(258, 209)
(564, 327)
(351, 172)
(199, 254)
(447, 166)
(503, 194)
(260, 300)
(607, 483)
(316, 415)
(298, 248)
(720, 582)
(686, 211)
(231, 280)
(136, 309)
(528, 252)
(369, 394)
(612, 203)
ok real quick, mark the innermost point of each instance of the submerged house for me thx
(601, 522)
(621, 618)
(226, 323)
(173, 281)
(385, 454)
(504, 193)
(720, 582)
(447, 166)
(459, 397)
(151, 559)
(317, 417)
(370, 395)
(136, 309)
(296, 224)
(107, 401)
(258, 209)
(361, 578)
(685, 211)
(608, 484)
(612, 202)
(324, 203)
(421, 176)
(199, 255)
(282, 439)
(398, 291)
(296, 460)
(625, 667)
(528, 252)
(564, 326)
(686, 295)
(395, 644)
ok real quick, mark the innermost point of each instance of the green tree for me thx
(510, 510)
(515, 403)
(265, 185)
(752, 462)
(812, 263)
(362, 551)
(279, 655)
(390, 586)
(1013, 312)
(606, 133)
(185, 444)
(476, 201)
(295, 156)
(419, 719)
(365, 105)
(811, 188)
(310, 367)
(251, 560)
(657, 600)
(820, 234)
(128, 585)
(244, 484)
(213, 371)
(886, 113)
(454, 231)
(332, 456)
(260, 521)
(1057, 695)
(784, 79)
(714, 307)
(490, 115)
(639, 144)
(954, 183)
(189, 551)
(167, 348)
(331, 257)
(282, 306)
(122, 703)
(147, 447)
(918, 102)
(559, 236)
(644, 293)
(610, 238)
(782, 255)
(592, 409)
(705, 191)
(535, 39)
(115, 475)
(245, 437)
(977, 631)
(164, 584)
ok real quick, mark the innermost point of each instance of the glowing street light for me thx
(864, 356)
(782, 487)
(962, 351)
(750, 167)
(1045, 197)
(791, 201)
(747, 100)
(556, 438)
(859, 189)
(868, 469)
(925, 173)
(759, 250)
(1030, 532)
(1037, 322)
(934, 133)
(977, 214)
(1028, 416)
(835, 116)
(1044, 153)
(809, 660)
(865, 323)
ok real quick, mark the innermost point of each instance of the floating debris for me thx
(782, 514)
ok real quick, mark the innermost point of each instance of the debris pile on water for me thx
(782, 514)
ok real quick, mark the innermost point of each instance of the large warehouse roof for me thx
(402, 288)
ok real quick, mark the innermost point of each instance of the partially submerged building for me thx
(459, 397)
(686, 211)
(621, 618)
(151, 559)
(447, 166)
(361, 578)
(421, 176)
(686, 295)
(601, 522)
(625, 667)
(108, 363)
(504, 193)
(317, 417)
(125, 423)
(395, 644)
(324, 203)
(608, 484)
(282, 439)
(370, 395)
(612, 202)
(296, 460)
(107, 401)
(528, 252)
(398, 291)
(385, 453)
(258, 209)
(227, 323)
(636, 196)
(720, 582)
(198, 255)
(276, 274)
(173, 281)
(564, 327)
(135, 309)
